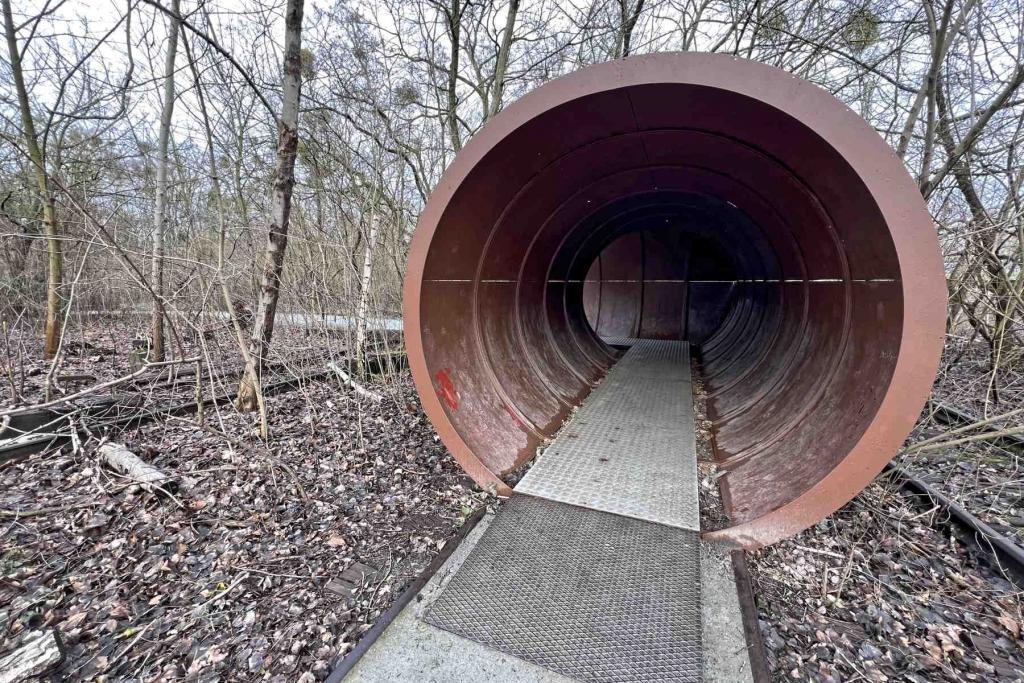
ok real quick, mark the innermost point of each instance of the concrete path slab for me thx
(726, 656)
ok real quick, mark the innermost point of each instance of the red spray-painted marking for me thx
(447, 388)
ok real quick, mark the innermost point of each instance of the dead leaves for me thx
(911, 607)
(123, 580)
(1011, 625)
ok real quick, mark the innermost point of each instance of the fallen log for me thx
(131, 466)
(75, 378)
(39, 653)
(358, 388)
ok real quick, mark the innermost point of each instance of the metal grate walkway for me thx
(630, 447)
(590, 595)
(595, 573)
(593, 570)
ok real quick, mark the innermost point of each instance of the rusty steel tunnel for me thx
(693, 197)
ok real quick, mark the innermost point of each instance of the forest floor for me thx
(984, 476)
(104, 349)
(268, 561)
(877, 593)
(882, 590)
(264, 563)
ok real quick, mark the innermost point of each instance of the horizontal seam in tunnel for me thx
(699, 282)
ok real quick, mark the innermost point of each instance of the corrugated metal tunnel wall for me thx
(693, 197)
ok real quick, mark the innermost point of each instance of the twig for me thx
(76, 442)
(18, 514)
(311, 577)
(965, 428)
(130, 645)
(218, 596)
(987, 436)
(816, 551)
(298, 484)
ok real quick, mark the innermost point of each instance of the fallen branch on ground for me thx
(36, 656)
(76, 378)
(130, 465)
(987, 436)
(966, 428)
(221, 594)
(358, 388)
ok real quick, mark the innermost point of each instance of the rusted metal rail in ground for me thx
(1006, 554)
(48, 429)
(694, 197)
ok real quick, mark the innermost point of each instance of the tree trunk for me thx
(281, 206)
(160, 211)
(627, 22)
(501, 62)
(218, 202)
(51, 227)
(452, 113)
(39, 653)
(364, 294)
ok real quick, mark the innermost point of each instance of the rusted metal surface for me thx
(687, 196)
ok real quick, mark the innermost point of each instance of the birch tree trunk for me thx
(51, 227)
(281, 206)
(218, 202)
(364, 294)
(160, 211)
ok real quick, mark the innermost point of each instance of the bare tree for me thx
(160, 205)
(629, 14)
(501, 61)
(51, 226)
(281, 205)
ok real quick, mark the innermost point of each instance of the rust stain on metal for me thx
(515, 418)
(685, 196)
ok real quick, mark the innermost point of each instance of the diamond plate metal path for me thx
(630, 448)
(590, 595)
(619, 341)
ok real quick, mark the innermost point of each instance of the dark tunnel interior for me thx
(669, 269)
(667, 211)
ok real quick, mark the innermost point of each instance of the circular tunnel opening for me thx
(691, 197)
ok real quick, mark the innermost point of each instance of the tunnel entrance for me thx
(690, 197)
